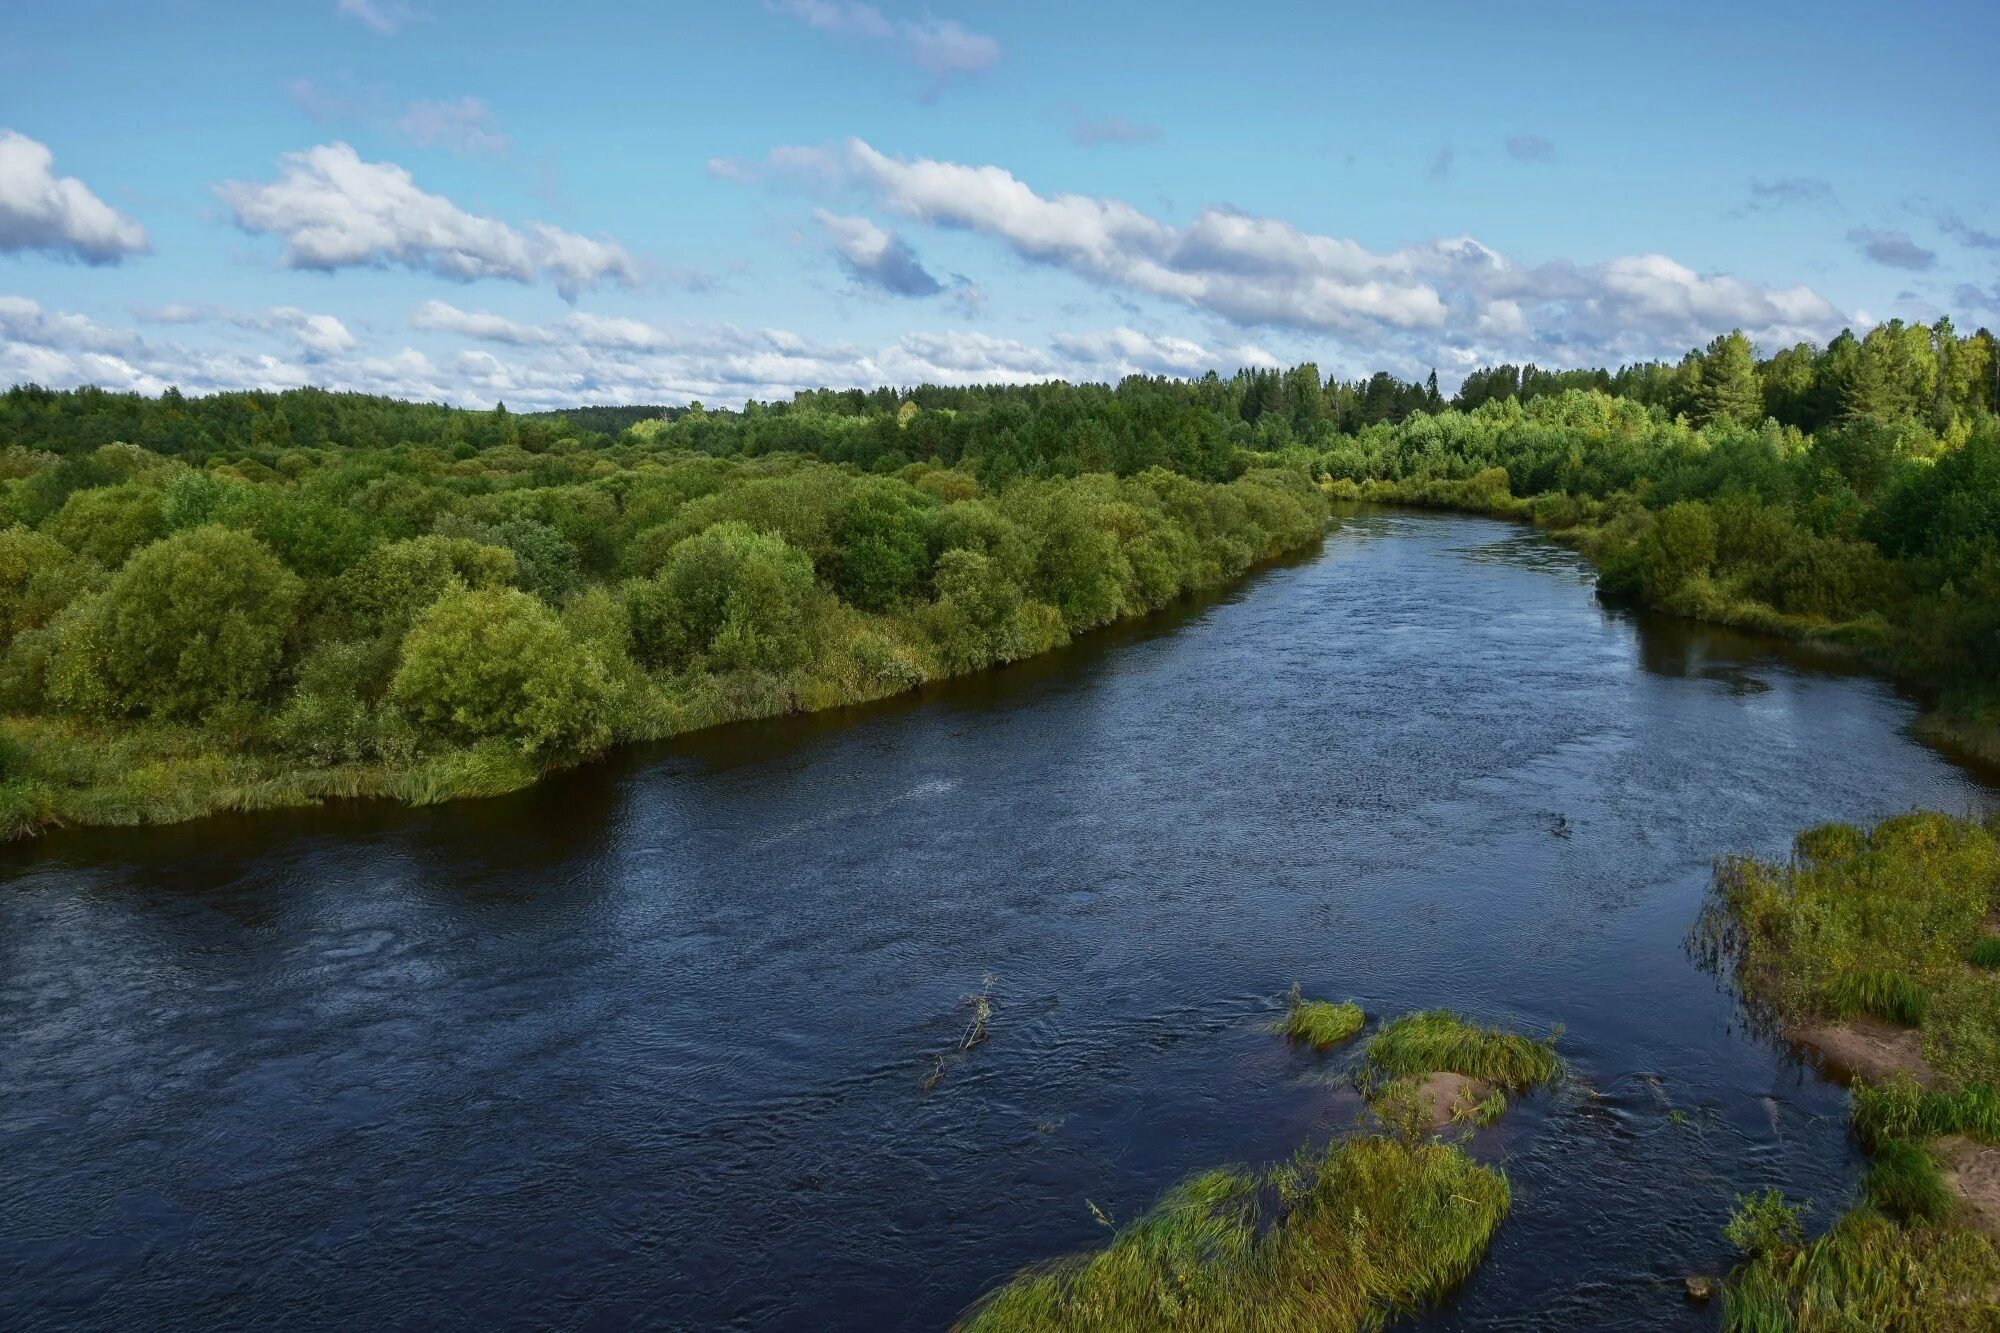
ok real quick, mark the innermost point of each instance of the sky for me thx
(555, 205)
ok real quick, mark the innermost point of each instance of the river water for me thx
(657, 1043)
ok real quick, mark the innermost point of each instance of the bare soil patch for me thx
(1447, 1098)
(1973, 1171)
(1867, 1048)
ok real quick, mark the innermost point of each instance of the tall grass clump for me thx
(1368, 1231)
(1985, 952)
(1906, 1182)
(1320, 1024)
(1868, 1272)
(1899, 1109)
(1435, 1041)
(1879, 923)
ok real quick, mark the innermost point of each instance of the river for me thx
(650, 1043)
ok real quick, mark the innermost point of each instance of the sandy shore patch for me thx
(1973, 1171)
(1449, 1098)
(1868, 1048)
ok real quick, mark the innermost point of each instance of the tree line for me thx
(310, 591)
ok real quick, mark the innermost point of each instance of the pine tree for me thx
(1729, 387)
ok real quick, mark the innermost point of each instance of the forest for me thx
(253, 599)
(313, 612)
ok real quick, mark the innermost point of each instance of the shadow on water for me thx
(659, 1042)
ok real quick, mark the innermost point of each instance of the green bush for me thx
(729, 599)
(108, 523)
(498, 665)
(194, 621)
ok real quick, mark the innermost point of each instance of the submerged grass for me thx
(1371, 1229)
(1435, 1041)
(1321, 1023)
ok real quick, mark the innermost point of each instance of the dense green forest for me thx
(362, 596)
(255, 598)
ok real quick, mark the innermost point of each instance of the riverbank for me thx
(422, 673)
(1963, 722)
(1870, 949)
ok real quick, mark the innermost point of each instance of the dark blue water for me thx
(649, 1045)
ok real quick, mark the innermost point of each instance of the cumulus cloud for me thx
(1447, 301)
(1530, 148)
(57, 215)
(386, 17)
(943, 49)
(439, 317)
(333, 210)
(317, 336)
(1894, 249)
(586, 358)
(1089, 133)
(63, 350)
(877, 258)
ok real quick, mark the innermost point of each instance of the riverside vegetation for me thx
(260, 599)
(256, 600)
(1888, 926)
(1347, 1238)
(1847, 495)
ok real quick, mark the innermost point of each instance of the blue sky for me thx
(655, 203)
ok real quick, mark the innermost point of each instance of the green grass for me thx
(1869, 1274)
(1370, 1230)
(1321, 1023)
(1439, 1041)
(1906, 1182)
(1900, 1110)
(1886, 995)
(1879, 923)
(1887, 922)
(1985, 951)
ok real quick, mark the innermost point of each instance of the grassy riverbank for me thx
(1878, 540)
(1869, 947)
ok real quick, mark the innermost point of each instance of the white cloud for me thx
(318, 336)
(941, 48)
(64, 350)
(333, 210)
(581, 358)
(877, 258)
(1446, 302)
(438, 317)
(58, 215)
